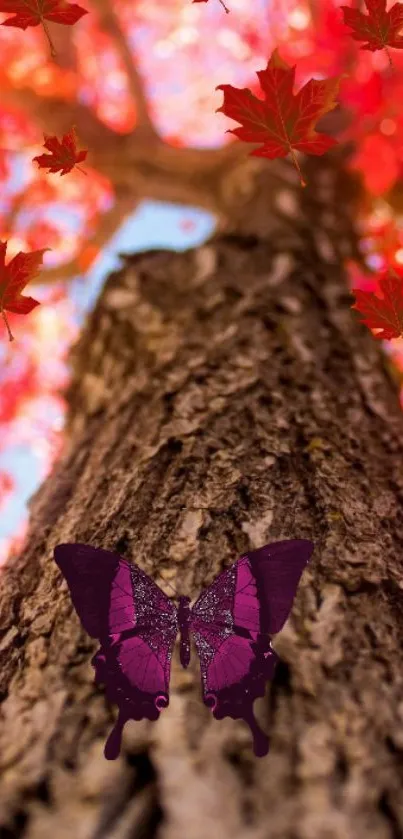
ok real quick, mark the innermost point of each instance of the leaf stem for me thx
(82, 170)
(47, 33)
(297, 166)
(388, 54)
(4, 316)
(223, 4)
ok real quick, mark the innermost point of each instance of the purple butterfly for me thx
(136, 624)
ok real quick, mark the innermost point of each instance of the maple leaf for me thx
(379, 28)
(34, 12)
(205, 1)
(382, 313)
(281, 121)
(13, 278)
(63, 154)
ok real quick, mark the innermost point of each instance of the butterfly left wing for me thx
(136, 625)
(230, 623)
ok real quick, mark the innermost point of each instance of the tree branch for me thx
(143, 165)
(109, 223)
(16, 205)
(139, 165)
(110, 23)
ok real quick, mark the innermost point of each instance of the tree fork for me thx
(222, 398)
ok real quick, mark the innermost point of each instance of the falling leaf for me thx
(379, 28)
(63, 154)
(34, 12)
(382, 313)
(281, 121)
(13, 278)
(205, 1)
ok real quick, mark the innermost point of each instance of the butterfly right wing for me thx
(231, 622)
(136, 624)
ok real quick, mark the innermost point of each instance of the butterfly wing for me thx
(136, 624)
(230, 623)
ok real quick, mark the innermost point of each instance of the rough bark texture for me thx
(222, 398)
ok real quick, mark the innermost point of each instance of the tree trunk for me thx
(222, 398)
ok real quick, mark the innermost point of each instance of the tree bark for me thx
(222, 398)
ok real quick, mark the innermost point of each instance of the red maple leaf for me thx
(382, 313)
(33, 12)
(379, 28)
(205, 1)
(281, 121)
(13, 278)
(63, 154)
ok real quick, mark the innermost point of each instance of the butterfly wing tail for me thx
(114, 741)
(261, 742)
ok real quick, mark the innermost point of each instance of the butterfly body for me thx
(230, 623)
(184, 621)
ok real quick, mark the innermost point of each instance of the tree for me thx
(221, 398)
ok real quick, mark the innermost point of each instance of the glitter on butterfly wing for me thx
(155, 613)
(211, 619)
